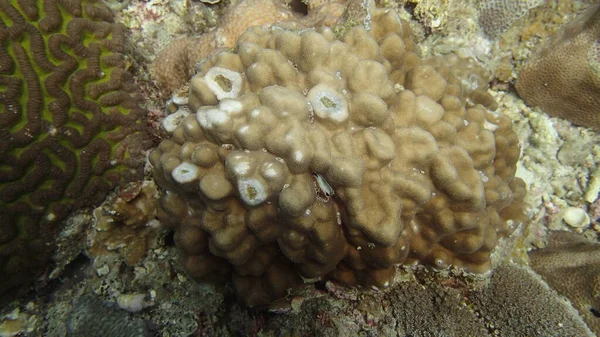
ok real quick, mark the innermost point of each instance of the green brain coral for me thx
(70, 123)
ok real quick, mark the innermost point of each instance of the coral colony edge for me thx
(299, 168)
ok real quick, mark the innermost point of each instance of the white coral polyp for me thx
(211, 117)
(231, 106)
(327, 103)
(252, 192)
(223, 82)
(172, 121)
(185, 173)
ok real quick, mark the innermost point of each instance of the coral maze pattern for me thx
(69, 123)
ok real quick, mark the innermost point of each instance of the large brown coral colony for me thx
(70, 124)
(563, 76)
(310, 156)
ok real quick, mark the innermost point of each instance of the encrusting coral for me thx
(307, 156)
(571, 265)
(496, 16)
(70, 126)
(174, 65)
(563, 76)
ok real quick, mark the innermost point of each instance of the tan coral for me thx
(563, 76)
(308, 155)
(571, 265)
(174, 65)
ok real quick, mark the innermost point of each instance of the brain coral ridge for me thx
(310, 156)
(70, 125)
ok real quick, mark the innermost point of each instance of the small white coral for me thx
(328, 103)
(252, 192)
(172, 121)
(210, 118)
(185, 173)
(224, 83)
(231, 106)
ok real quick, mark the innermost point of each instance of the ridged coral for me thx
(571, 265)
(563, 76)
(70, 125)
(308, 155)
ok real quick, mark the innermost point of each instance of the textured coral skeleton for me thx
(496, 16)
(563, 76)
(571, 265)
(308, 155)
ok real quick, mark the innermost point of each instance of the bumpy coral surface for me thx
(174, 65)
(69, 126)
(305, 155)
(563, 76)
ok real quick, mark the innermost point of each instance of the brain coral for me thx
(305, 155)
(563, 76)
(69, 128)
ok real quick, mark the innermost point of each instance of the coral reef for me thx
(495, 16)
(514, 303)
(92, 318)
(562, 76)
(421, 302)
(70, 125)
(518, 303)
(174, 65)
(571, 265)
(127, 222)
(307, 155)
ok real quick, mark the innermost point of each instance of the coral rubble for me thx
(308, 155)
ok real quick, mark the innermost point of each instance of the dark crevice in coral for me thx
(170, 239)
(320, 285)
(72, 274)
(299, 7)
(410, 7)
